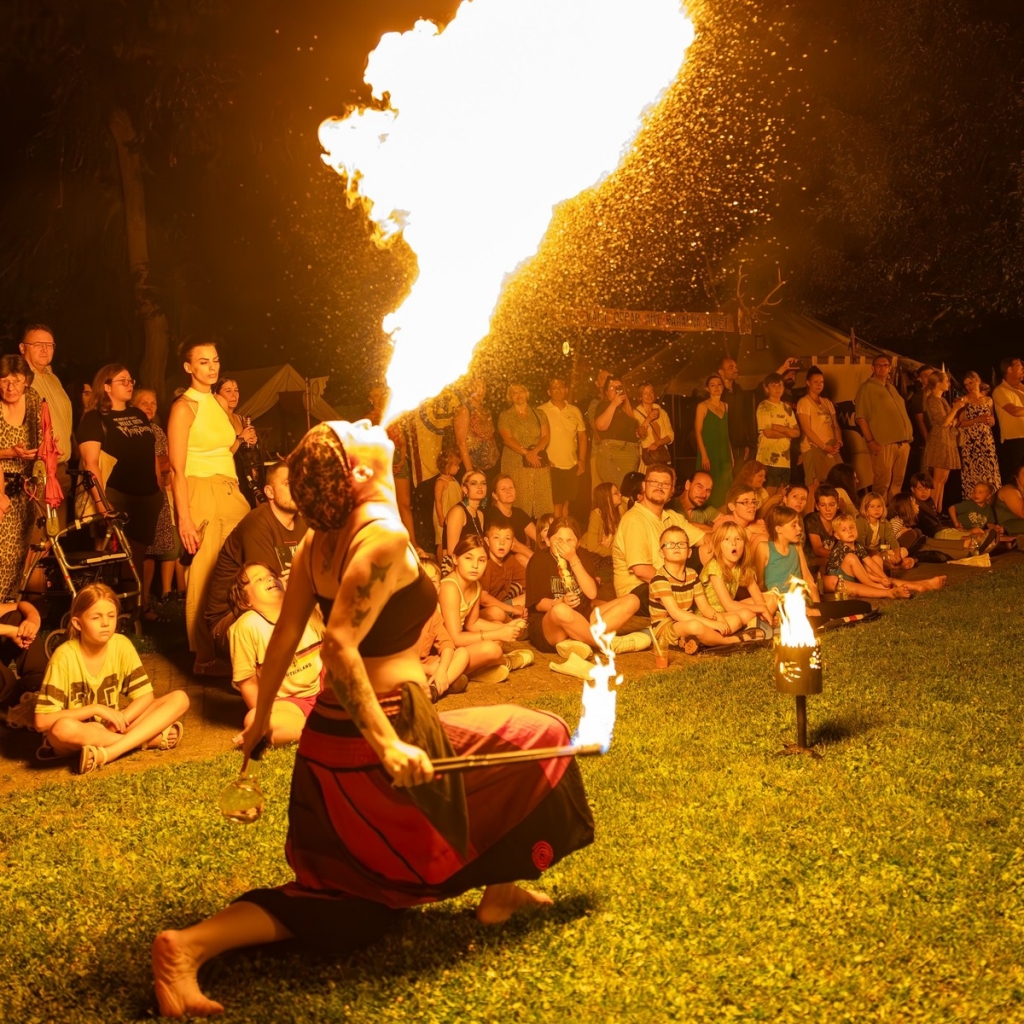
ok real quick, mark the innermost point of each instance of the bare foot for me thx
(935, 583)
(901, 591)
(175, 980)
(500, 902)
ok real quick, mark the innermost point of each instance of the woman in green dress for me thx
(526, 434)
(711, 428)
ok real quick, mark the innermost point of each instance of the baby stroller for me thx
(92, 548)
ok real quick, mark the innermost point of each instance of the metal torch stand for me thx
(798, 672)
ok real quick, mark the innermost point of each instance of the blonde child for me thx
(459, 596)
(877, 535)
(729, 568)
(77, 707)
(256, 596)
(680, 612)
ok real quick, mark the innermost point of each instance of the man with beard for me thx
(269, 534)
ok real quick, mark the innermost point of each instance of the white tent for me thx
(261, 390)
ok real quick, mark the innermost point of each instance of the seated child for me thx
(680, 613)
(877, 535)
(862, 575)
(904, 519)
(977, 517)
(929, 520)
(77, 707)
(257, 596)
(818, 534)
(445, 664)
(731, 566)
(561, 594)
(504, 580)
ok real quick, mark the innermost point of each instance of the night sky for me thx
(875, 157)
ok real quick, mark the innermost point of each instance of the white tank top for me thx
(209, 439)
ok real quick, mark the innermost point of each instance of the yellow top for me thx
(209, 439)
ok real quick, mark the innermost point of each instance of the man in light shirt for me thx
(567, 449)
(1008, 400)
(37, 348)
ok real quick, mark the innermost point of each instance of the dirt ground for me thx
(216, 711)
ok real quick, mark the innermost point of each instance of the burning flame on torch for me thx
(597, 722)
(795, 630)
(516, 106)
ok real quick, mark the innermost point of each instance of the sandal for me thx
(46, 753)
(752, 636)
(91, 758)
(166, 738)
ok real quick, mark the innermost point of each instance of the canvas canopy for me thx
(261, 390)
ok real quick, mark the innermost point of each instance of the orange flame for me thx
(516, 106)
(796, 630)
(597, 721)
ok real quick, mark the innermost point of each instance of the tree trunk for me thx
(154, 319)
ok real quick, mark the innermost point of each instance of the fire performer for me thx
(366, 843)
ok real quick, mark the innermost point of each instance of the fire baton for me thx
(469, 761)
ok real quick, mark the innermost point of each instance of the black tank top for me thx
(401, 620)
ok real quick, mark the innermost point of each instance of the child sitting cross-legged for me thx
(862, 575)
(77, 707)
(977, 517)
(443, 663)
(877, 534)
(503, 597)
(256, 596)
(730, 567)
(680, 613)
(561, 593)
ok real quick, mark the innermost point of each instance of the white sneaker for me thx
(574, 666)
(577, 647)
(518, 659)
(631, 642)
(494, 674)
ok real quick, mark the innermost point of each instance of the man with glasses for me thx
(37, 348)
(886, 428)
(636, 548)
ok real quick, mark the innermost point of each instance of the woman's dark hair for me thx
(189, 345)
(748, 471)
(610, 514)
(99, 399)
(814, 371)
(631, 485)
(842, 475)
(219, 386)
(711, 377)
(14, 363)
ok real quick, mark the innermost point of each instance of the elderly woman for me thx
(19, 441)
(656, 427)
(201, 444)
(617, 448)
(248, 463)
(526, 433)
(112, 426)
(474, 430)
(371, 831)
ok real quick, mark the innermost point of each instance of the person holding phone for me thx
(617, 451)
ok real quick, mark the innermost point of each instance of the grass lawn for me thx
(881, 883)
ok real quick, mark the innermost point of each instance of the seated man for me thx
(693, 501)
(636, 549)
(257, 595)
(270, 533)
(503, 596)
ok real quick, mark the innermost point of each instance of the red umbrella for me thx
(49, 453)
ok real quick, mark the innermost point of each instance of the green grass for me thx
(881, 883)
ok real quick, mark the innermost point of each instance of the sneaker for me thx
(518, 659)
(573, 666)
(577, 647)
(215, 667)
(494, 674)
(631, 642)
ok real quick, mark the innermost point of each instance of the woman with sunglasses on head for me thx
(19, 441)
(111, 425)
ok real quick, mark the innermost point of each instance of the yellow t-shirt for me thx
(68, 684)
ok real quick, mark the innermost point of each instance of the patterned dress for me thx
(16, 524)
(165, 542)
(533, 486)
(940, 452)
(978, 451)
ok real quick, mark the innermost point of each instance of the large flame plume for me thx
(597, 722)
(795, 629)
(515, 107)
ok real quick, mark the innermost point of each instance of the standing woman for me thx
(526, 433)
(201, 444)
(113, 426)
(940, 450)
(617, 452)
(711, 428)
(474, 430)
(979, 464)
(248, 464)
(370, 833)
(19, 442)
(165, 547)
(820, 434)
(655, 431)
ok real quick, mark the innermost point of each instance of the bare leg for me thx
(177, 956)
(703, 632)
(935, 583)
(483, 654)
(148, 571)
(617, 612)
(939, 477)
(500, 902)
(286, 724)
(166, 577)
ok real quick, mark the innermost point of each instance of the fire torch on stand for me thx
(797, 662)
